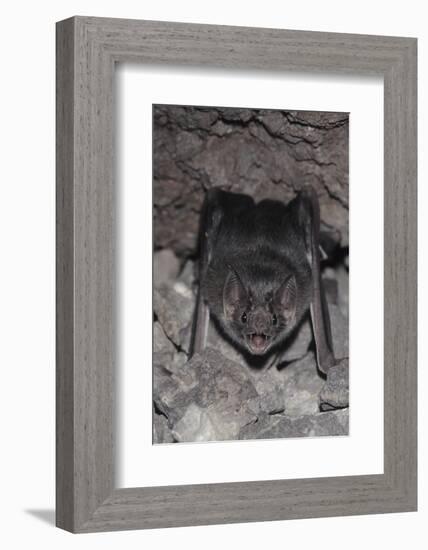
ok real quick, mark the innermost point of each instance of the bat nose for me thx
(259, 322)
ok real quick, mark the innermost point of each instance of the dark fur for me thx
(257, 265)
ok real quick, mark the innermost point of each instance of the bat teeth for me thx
(259, 335)
(258, 342)
(259, 339)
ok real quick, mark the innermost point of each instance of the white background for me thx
(138, 88)
(27, 286)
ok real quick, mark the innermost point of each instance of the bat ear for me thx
(286, 297)
(234, 293)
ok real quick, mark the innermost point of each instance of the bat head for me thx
(258, 316)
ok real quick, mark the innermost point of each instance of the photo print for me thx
(250, 273)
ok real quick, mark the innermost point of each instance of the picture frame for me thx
(87, 50)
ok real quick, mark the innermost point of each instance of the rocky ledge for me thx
(220, 394)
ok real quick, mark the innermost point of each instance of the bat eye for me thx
(244, 317)
(274, 319)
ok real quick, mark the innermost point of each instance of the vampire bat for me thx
(260, 273)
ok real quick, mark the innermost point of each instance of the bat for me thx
(259, 273)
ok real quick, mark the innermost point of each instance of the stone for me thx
(302, 384)
(170, 361)
(342, 277)
(335, 391)
(222, 344)
(167, 385)
(173, 307)
(187, 275)
(165, 354)
(293, 390)
(165, 267)
(211, 398)
(213, 423)
(330, 423)
(340, 331)
(160, 341)
(207, 399)
(196, 425)
(270, 393)
(298, 344)
(161, 431)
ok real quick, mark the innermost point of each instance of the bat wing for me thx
(309, 219)
(218, 206)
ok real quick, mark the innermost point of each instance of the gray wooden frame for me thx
(87, 50)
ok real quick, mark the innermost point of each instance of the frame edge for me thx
(398, 490)
(65, 108)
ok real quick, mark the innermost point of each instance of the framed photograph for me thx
(236, 274)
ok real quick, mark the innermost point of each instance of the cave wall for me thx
(265, 153)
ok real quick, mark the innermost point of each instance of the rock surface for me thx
(173, 307)
(340, 331)
(266, 153)
(161, 431)
(302, 384)
(166, 266)
(310, 425)
(335, 392)
(221, 395)
(299, 342)
(207, 399)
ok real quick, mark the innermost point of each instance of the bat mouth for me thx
(258, 342)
